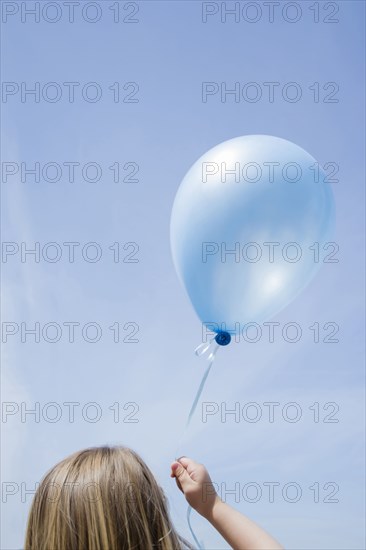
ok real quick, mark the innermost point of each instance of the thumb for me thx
(181, 474)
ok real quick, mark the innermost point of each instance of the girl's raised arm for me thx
(238, 530)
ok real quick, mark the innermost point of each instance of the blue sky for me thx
(169, 52)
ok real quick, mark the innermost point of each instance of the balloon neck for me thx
(210, 348)
(223, 338)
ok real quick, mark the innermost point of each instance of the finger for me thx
(189, 464)
(183, 476)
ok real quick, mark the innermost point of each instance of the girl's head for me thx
(98, 499)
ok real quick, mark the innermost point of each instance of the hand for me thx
(195, 483)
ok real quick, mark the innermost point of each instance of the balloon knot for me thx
(223, 338)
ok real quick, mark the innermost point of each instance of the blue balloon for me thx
(250, 227)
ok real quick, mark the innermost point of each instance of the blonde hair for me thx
(102, 498)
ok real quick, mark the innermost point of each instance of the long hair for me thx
(102, 498)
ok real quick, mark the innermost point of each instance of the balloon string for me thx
(198, 394)
(200, 350)
(200, 545)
